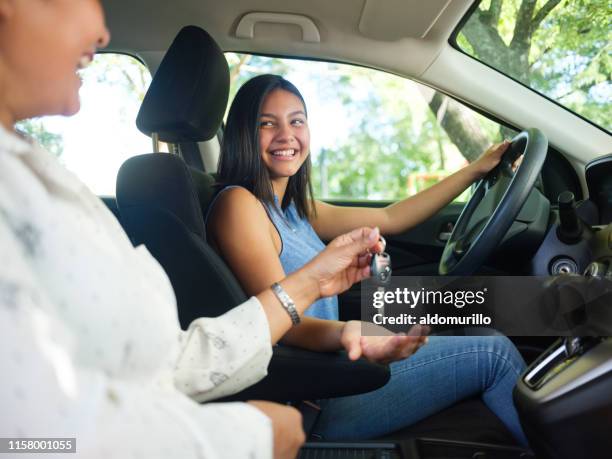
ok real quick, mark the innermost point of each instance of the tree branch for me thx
(563, 96)
(522, 27)
(544, 11)
(494, 12)
(235, 71)
(542, 54)
(460, 125)
(130, 81)
(486, 41)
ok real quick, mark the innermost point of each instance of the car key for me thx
(380, 266)
(380, 270)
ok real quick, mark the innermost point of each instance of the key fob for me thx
(380, 268)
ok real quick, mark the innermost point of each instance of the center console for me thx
(564, 399)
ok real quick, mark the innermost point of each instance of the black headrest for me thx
(188, 95)
(163, 181)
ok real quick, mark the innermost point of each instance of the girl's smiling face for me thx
(284, 137)
(43, 43)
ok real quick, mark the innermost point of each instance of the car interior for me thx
(553, 217)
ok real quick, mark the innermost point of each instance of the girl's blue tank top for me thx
(300, 244)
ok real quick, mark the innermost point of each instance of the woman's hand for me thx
(286, 428)
(489, 159)
(344, 261)
(385, 347)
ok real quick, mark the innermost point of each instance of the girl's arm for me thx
(331, 221)
(240, 230)
(251, 252)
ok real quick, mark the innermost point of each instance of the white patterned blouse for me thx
(90, 343)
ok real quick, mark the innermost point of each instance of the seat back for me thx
(158, 195)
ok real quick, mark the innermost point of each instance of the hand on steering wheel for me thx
(496, 202)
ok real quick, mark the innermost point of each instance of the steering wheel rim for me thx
(471, 243)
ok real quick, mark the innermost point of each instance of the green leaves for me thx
(559, 48)
(35, 129)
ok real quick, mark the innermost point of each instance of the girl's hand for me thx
(385, 348)
(489, 159)
(345, 260)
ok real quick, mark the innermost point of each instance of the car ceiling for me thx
(368, 32)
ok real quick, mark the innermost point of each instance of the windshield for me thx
(561, 49)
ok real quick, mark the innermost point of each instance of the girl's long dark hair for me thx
(240, 161)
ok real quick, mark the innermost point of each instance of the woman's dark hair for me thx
(240, 161)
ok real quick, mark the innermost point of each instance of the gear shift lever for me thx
(570, 227)
(573, 345)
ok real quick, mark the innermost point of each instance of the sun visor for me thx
(392, 20)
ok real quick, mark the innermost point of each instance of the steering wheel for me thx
(495, 203)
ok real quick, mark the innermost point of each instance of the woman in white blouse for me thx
(90, 345)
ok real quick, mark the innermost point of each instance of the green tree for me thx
(121, 72)
(109, 69)
(390, 138)
(243, 67)
(560, 48)
(35, 129)
(385, 144)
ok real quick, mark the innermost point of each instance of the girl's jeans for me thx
(444, 371)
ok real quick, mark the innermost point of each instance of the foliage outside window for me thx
(95, 142)
(560, 48)
(374, 135)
